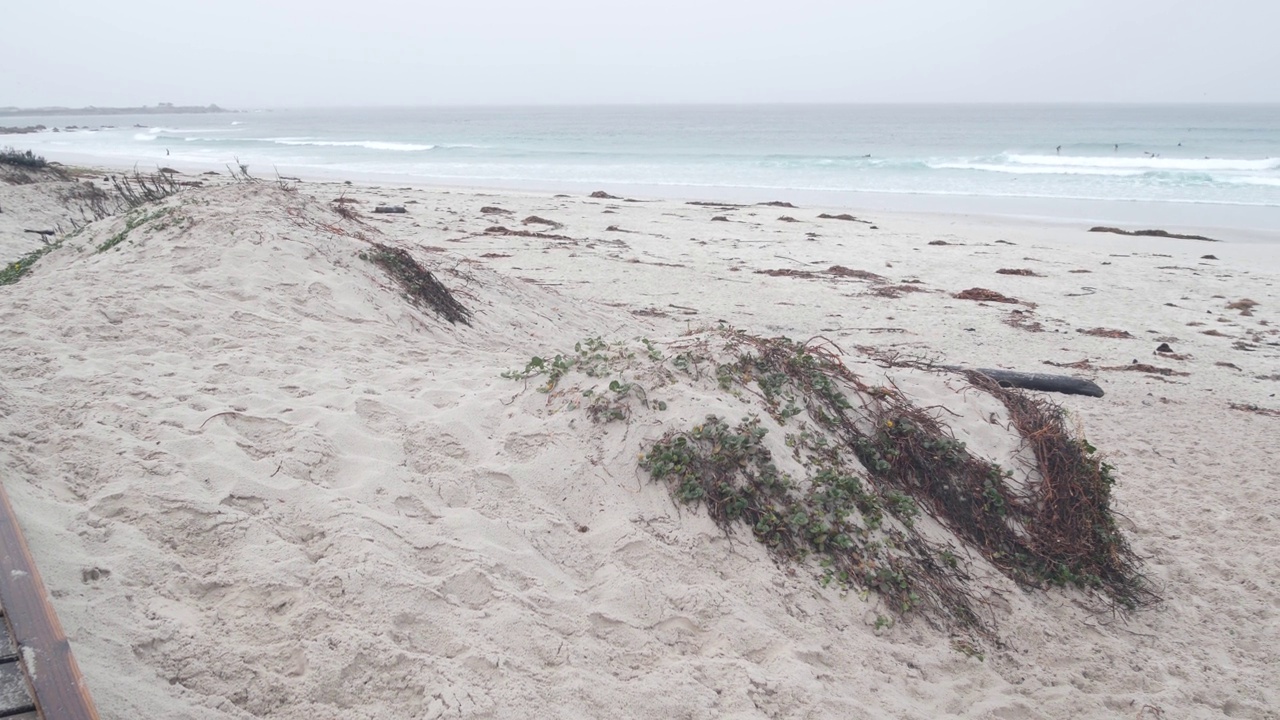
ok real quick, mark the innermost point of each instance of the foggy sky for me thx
(267, 53)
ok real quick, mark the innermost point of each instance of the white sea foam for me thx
(189, 131)
(367, 144)
(1038, 169)
(1145, 163)
(152, 133)
(1184, 171)
(1250, 180)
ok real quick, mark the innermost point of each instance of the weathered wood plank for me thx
(60, 690)
(8, 651)
(15, 697)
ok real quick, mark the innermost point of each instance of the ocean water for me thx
(1215, 163)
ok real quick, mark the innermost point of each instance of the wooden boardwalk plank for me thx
(8, 651)
(45, 654)
(15, 698)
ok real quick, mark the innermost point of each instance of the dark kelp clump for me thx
(421, 287)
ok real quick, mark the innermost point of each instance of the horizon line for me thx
(14, 109)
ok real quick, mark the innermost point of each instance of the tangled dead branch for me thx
(138, 189)
(128, 192)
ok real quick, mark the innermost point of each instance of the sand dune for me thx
(259, 482)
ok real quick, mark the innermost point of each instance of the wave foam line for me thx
(1146, 163)
(1041, 170)
(367, 144)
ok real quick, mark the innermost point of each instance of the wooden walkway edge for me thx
(39, 650)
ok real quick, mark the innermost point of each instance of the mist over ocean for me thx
(1223, 160)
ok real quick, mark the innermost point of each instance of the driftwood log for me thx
(1065, 384)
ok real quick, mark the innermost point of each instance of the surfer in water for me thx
(1058, 150)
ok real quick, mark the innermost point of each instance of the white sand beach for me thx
(260, 483)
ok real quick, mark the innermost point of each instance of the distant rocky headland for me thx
(161, 109)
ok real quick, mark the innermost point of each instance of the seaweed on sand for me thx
(421, 287)
(881, 496)
(875, 463)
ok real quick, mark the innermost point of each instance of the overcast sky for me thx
(268, 53)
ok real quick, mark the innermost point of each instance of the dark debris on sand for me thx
(421, 287)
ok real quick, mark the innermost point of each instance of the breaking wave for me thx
(1185, 172)
(1037, 170)
(367, 144)
(1145, 163)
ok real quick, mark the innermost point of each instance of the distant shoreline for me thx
(144, 110)
(1253, 240)
(993, 163)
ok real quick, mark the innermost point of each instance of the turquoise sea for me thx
(1191, 164)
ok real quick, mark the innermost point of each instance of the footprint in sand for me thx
(524, 448)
